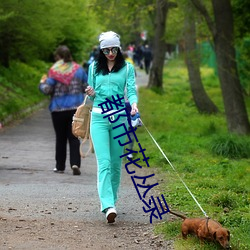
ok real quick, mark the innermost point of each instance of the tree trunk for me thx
(201, 99)
(159, 46)
(235, 109)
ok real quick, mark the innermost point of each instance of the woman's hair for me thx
(102, 67)
(63, 52)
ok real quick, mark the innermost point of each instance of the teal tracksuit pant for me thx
(108, 152)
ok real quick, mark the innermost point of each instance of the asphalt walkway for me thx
(31, 190)
(27, 161)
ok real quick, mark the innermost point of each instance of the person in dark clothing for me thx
(138, 55)
(92, 57)
(65, 83)
(147, 54)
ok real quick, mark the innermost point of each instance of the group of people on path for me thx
(141, 55)
(109, 76)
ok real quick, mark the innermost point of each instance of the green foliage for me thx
(29, 33)
(243, 59)
(175, 28)
(224, 200)
(242, 37)
(241, 17)
(175, 25)
(128, 18)
(219, 183)
(231, 146)
(19, 87)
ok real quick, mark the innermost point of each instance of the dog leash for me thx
(175, 170)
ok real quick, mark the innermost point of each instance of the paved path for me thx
(27, 158)
(26, 163)
(30, 190)
(141, 78)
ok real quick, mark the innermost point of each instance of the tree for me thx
(223, 38)
(28, 33)
(159, 44)
(201, 99)
(128, 18)
(23, 33)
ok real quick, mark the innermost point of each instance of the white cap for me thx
(109, 39)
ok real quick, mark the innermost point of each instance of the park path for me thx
(43, 210)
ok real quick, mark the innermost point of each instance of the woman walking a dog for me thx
(108, 77)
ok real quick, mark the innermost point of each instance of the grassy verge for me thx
(19, 88)
(213, 164)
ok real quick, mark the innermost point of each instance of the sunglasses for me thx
(106, 51)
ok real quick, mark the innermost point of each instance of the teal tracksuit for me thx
(107, 149)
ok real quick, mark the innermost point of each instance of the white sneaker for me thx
(58, 171)
(111, 214)
(130, 156)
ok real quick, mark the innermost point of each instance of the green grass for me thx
(214, 164)
(19, 88)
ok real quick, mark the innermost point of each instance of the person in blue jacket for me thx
(108, 77)
(65, 83)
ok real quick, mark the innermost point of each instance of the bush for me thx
(19, 88)
(224, 200)
(231, 146)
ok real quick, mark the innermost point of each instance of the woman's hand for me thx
(134, 109)
(90, 91)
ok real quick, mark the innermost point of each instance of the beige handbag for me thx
(81, 126)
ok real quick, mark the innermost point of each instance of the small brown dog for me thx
(205, 229)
